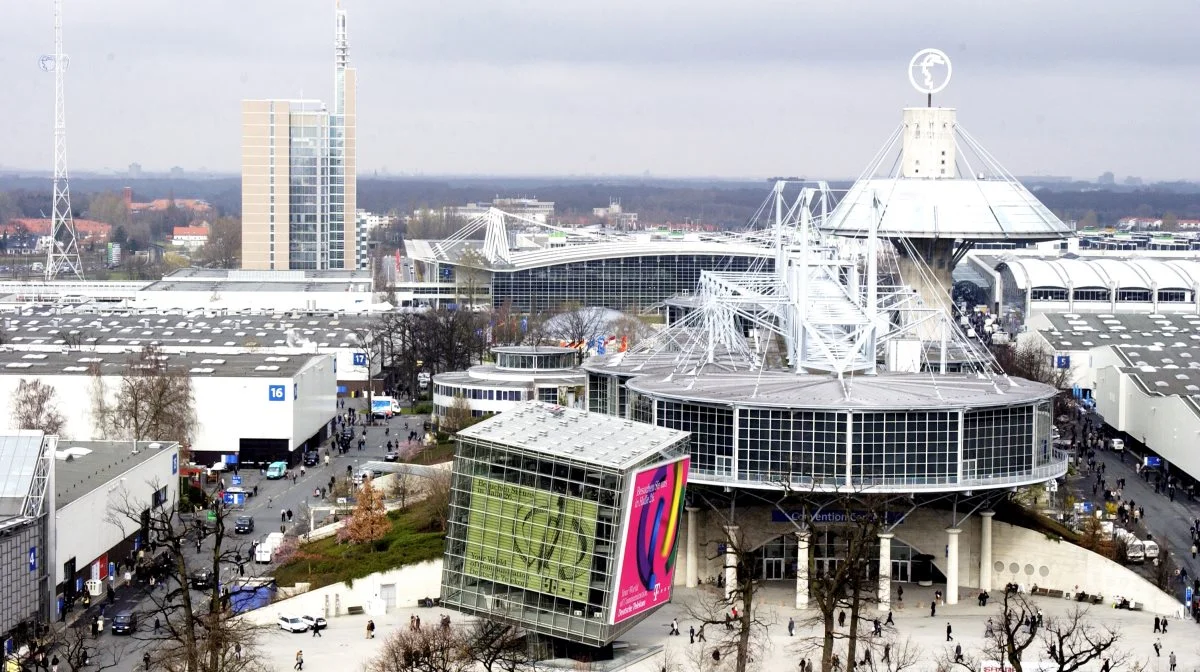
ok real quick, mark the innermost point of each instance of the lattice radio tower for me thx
(62, 257)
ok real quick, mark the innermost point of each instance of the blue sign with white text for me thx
(236, 479)
(360, 359)
(276, 393)
(33, 558)
(1062, 361)
(174, 464)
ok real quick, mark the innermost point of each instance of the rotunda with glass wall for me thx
(886, 432)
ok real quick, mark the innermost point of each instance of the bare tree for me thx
(193, 635)
(224, 246)
(846, 588)
(575, 323)
(497, 646)
(74, 339)
(732, 619)
(1070, 642)
(438, 488)
(401, 488)
(34, 407)
(1035, 361)
(428, 649)
(154, 401)
(1165, 569)
(458, 415)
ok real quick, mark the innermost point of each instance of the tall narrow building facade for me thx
(298, 177)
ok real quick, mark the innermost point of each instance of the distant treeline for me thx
(722, 203)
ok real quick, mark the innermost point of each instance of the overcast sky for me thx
(745, 88)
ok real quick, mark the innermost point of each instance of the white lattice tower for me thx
(62, 255)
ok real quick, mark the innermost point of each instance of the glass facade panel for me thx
(997, 442)
(712, 434)
(905, 447)
(791, 446)
(620, 283)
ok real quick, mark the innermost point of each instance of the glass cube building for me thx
(564, 522)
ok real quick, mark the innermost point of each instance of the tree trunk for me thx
(827, 644)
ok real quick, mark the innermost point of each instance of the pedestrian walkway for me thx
(344, 645)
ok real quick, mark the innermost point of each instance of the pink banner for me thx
(651, 530)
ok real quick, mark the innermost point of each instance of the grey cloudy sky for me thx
(743, 88)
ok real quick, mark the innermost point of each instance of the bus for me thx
(277, 470)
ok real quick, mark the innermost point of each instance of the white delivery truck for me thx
(384, 406)
(265, 551)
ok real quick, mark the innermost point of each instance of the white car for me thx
(317, 622)
(292, 624)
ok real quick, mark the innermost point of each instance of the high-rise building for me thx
(298, 177)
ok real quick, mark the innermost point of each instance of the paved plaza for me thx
(343, 646)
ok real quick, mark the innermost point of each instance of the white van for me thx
(1150, 548)
(1118, 444)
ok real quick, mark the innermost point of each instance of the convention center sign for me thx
(653, 510)
(530, 538)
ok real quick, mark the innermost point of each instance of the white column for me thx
(985, 550)
(693, 561)
(952, 565)
(885, 571)
(802, 570)
(730, 560)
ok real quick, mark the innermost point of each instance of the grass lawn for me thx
(324, 562)
(435, 454)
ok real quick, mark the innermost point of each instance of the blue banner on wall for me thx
(839, 516)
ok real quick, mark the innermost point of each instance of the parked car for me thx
(201, 579)
(292, 624)
(392, 456)
(243, 525)
(314, 623)
(311, 458)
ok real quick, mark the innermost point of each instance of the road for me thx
(273, 497)
(1169, 522)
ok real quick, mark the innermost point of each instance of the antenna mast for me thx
(62, 256)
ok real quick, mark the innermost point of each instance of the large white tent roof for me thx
(963, 208)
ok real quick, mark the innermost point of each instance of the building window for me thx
(159, 497)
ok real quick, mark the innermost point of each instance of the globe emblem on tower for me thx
(929, 71)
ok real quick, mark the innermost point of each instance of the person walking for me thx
(1158, 648)
(1171, 661)
(237, 651)
(54, 664)
(691, 634)
(949, 633)
(674, 626)
(791, 626)
(370, 629)
(932, 608)
(157, 624)
(146, 659)
(299, 660)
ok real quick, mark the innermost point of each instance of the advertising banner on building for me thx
(653, 510)
(531, 538)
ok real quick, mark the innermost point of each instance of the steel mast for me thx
(62, 255)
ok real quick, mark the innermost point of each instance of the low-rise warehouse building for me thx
(1142, 371)
(282, 334)
(100, 489)
(257, 407)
